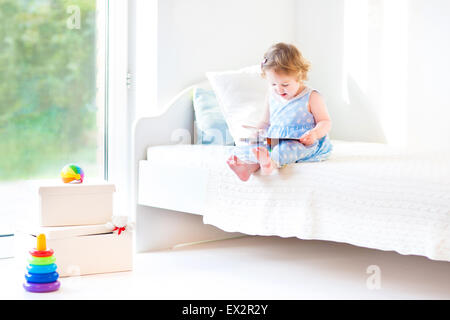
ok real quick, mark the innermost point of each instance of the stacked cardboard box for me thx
(76, 219)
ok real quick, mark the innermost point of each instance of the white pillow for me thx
(241, 95)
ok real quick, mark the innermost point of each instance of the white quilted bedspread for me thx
(366, 194)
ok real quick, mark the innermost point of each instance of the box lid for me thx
(92, 186)
(6, 231)
(67, 232)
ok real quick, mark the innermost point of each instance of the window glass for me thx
(52, 77)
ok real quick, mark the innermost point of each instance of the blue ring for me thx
(41, 278)
(49, 268)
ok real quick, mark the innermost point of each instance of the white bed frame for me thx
(170, 200)
(158, 228)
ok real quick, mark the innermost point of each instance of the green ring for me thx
(41, 261)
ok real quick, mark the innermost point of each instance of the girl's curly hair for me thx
(285, 58)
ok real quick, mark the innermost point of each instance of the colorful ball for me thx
(72, 173)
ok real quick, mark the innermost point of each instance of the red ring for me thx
(41, 253)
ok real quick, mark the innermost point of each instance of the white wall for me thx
(429, 72)
(196, 36)
(383, 67)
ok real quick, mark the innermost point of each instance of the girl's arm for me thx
(323, 121)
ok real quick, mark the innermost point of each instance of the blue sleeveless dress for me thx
(289, 120)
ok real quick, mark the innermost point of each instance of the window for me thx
(52, 96)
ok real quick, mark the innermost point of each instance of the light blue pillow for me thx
(209, 121)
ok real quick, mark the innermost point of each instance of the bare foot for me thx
(263, 156)
(242, 169)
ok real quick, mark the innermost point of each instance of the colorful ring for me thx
(41, 261)
(41, 253)
(42, 287)
(42, 269)
(42, 278)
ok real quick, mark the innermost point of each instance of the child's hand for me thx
(308, 138)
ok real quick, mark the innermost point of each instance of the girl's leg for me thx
(246, 160)
(262, 154)
(242, 169)
(290, 151)
(243, 162)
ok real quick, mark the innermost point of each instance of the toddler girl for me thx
(296, 119)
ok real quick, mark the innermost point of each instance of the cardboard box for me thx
(82, 250)
(88, 203)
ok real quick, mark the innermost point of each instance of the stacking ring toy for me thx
(41, 269)
(41, 261)
(41, 287)
(41, 276)
(41, 253)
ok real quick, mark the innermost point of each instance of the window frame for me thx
(118, 116)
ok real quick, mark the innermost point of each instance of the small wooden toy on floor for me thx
(41, 275)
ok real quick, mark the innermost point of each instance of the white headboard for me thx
(158, 228)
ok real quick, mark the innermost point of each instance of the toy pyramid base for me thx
(41, 287)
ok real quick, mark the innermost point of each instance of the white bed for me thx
(366, 194)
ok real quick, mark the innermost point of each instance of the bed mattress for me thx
(366, 194)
